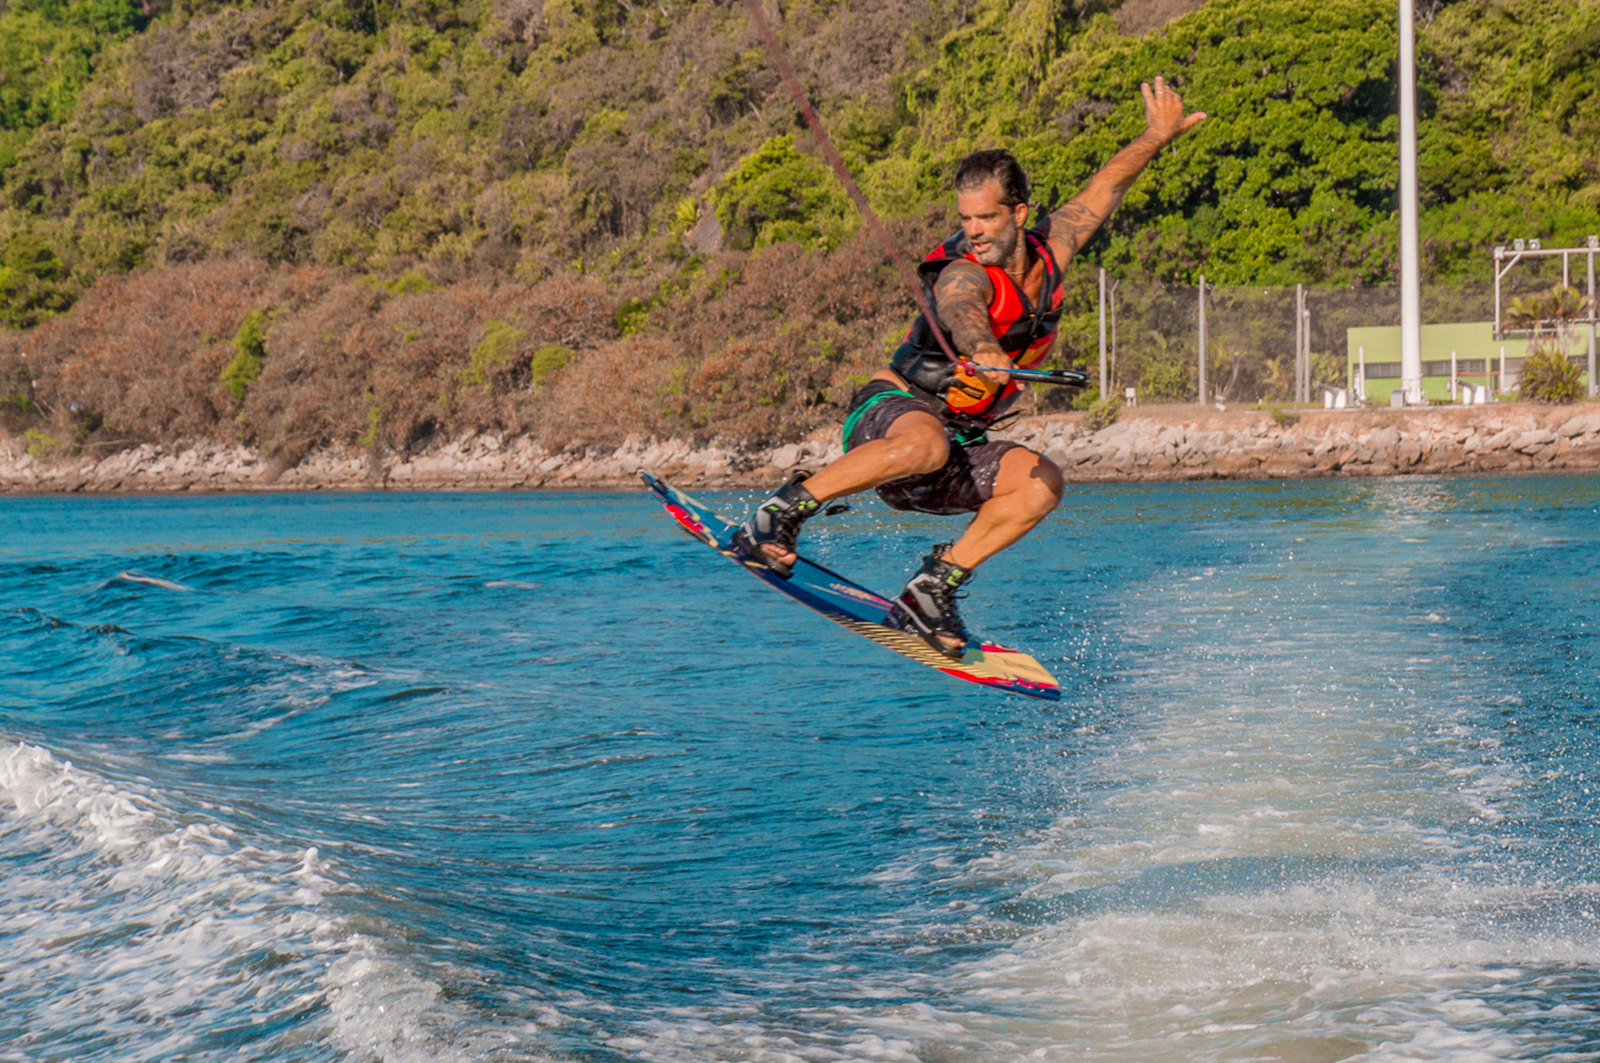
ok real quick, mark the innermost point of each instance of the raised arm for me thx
(1081, 217)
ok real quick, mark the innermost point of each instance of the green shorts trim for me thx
(860, 411)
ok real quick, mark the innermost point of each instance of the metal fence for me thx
(1255, 353)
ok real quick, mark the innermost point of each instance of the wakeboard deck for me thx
(857, 609)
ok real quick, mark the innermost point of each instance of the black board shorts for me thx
(965, 482)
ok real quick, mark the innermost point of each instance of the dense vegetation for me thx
(460, 170)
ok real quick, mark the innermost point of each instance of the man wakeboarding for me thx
(918, 430)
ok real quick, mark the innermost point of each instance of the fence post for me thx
(1305, 354)
(1452, 376)
(1102, 332)
(1497, 293)
(1202, 399)
(1299, 337)
(1593, 391)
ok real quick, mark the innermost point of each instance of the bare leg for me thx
(914, 444)
(1027, 488)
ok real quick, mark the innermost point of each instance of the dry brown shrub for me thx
(871, 47)
(1138, 17)
(572, 311)
(775, 342)
(432, 381)
(761, 347)
(631, 387)
(140, 355)
(411, 348)
(364, 367)
(419, 376)
(178, 69)
(314, 378)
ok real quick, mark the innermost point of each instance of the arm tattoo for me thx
(962, 300)
(1075, 223)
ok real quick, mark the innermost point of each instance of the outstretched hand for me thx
(1073, 225)
(1163, 112)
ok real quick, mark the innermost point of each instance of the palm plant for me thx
(1551, 317)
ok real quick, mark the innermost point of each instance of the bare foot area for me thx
(784, 558)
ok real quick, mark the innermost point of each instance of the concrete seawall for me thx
(1146, 444)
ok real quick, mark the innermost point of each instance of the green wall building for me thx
(1478, 355)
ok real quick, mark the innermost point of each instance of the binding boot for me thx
(777, 522)
(927, 605)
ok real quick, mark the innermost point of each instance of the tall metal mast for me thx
(1410, 259)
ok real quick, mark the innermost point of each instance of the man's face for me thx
(993, 227)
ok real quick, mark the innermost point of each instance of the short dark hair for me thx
(981, 167)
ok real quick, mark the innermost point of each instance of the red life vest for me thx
(1025, 330)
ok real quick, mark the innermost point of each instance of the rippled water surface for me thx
(534, 776)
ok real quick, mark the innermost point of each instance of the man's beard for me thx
(1002, 246)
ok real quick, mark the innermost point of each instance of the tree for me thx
(33, 283)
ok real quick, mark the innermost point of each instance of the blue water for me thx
(534, 776)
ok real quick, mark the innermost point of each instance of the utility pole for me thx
(1410, 258)
(1202, 399)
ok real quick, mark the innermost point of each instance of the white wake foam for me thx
(133, 933)
(1283, 853)
(131, 576)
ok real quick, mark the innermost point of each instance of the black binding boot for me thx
(777, 521)
(927, 605)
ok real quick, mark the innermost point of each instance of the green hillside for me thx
(508, 141)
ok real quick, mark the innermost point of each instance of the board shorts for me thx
(964, 483)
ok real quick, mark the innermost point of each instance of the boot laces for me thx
(945, 595)
(778, 519)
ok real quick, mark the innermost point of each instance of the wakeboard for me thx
(857, 609)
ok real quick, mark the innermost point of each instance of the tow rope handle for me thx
(1067, 378)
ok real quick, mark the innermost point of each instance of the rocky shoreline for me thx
(1145, 444)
